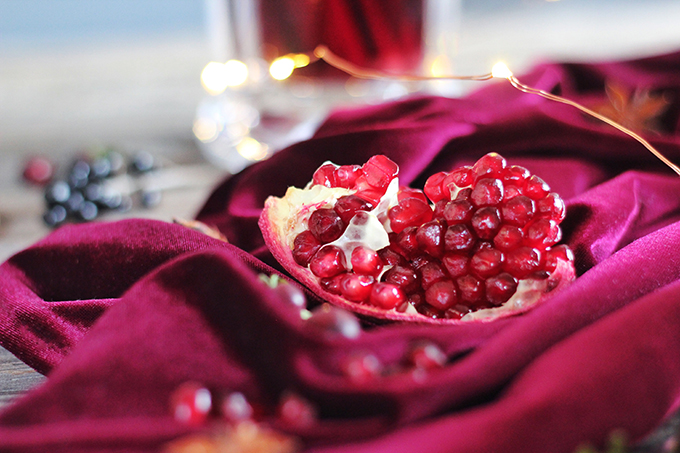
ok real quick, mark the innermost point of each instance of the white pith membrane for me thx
(288, 216)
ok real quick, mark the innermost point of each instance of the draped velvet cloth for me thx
(120, 314)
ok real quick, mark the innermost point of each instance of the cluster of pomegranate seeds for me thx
(461, 244)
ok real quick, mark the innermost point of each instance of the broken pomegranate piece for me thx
(478, 243)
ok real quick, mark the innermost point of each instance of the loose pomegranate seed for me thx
(536, 188)
(356, 287)
(442, 295)
(430, 273)
(295, 410)
(326, 225)
(346, 175)
(456, 264)
(518, 211)
(487, 192)
(305, 247)
(458, 211)
(522, 261)
(325, 175)
(386, 295)
(426, 355)
(430, 238)
(346, 207)
(362, 367)
(552, 207)
(404, 277)
(409, 212)
(366, 261)
(433, 187)
(191, 403)
(486, 222)
(291, 293)
(509, 237)
(491, 164)
(500, 288)
(471, 289)
(458, 238)
(235, 408)
(542, 233)
(559, 252)
(486, 262)
(328, 262)
(407, 192)
(334, 322)
(379, 171)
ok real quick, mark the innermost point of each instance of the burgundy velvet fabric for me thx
(119, 314)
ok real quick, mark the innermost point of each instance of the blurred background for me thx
(78, 75)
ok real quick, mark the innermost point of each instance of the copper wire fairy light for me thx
(499, 70)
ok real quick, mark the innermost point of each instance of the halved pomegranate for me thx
(478, 243)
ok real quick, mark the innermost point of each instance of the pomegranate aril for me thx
(430, 238)
(458, 238)
(470, 288)
(328, 262)
(406, 242)
(408, 192)
(552, 207)
(332, 284)
(402, 276)
(486, 222)
(486, 262)
(518, 210)
(347, 206)
(536, 188)
(456, 265)
(389, 256)
(458, 211)
(325, 175)
(554, 254)
(371, 195)
(386, 295)
(523, 261)
(379, 171)
(542, 233)
(428, 311)
(455, 180)
(442, 295)
(326, 225)
(305, 247)
(430, 273)
(409, 212)
(510, 191)
(491, 164)
(500, 288)
(235, 408)
(365, 261)
(516, 175)
(433, 187)
(346, 175)
(334, 322)
(509, 237)
(487, 192)
(356, 287)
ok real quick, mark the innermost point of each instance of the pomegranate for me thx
(477, 243)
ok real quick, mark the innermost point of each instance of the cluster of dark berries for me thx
(93, 186)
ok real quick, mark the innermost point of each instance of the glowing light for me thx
(282, 68)
(301, 60)
(501, 71)
(237, 73)
(440, 66)
(205, 129)
(251, 149)
(216, 77)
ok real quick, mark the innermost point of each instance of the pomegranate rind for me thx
(283, 218)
